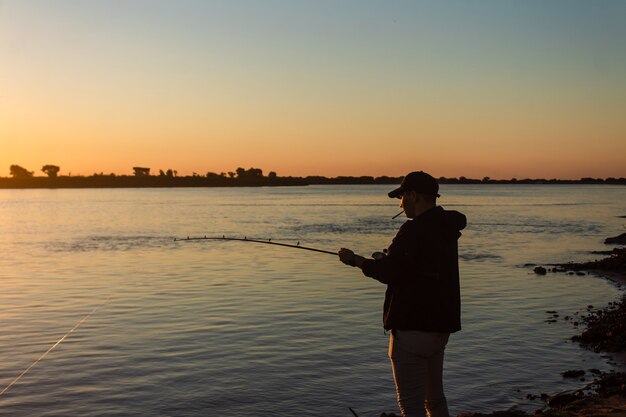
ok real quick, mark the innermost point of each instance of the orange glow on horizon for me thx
(356, 98)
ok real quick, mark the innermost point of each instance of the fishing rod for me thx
(266, 242)
(58, 342)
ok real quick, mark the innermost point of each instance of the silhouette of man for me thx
(422, 301)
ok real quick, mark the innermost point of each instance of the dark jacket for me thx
(421, 271)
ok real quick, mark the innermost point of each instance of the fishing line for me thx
(58, 342)
(266, 242)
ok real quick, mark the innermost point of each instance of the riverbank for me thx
(605, 331)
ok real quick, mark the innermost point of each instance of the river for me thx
(149, 326)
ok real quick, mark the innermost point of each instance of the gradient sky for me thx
(475, 88)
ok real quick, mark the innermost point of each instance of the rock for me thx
(602, 252)
(612, 384)
(606, 330)
(540, 270)
(560, 400)
(508, 413)
(573, 373)
(619, 240)
(616, 262)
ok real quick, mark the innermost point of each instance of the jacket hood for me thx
(451, 222)
(454, 219)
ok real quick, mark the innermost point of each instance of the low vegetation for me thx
(142, 177)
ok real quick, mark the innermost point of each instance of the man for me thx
(422, 302)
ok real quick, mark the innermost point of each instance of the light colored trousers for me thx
(417, 363)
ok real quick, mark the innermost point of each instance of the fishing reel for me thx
(380, 255)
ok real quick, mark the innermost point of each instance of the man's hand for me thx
(346, 256)
(350, 258)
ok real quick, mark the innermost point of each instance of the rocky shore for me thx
(605, 331)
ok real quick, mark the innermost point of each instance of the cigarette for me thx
(402, 212)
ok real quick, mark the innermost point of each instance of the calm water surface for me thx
(233, 329)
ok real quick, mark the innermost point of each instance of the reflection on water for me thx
(108, 243)
(237, 329)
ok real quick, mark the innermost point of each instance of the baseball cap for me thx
(417, 181)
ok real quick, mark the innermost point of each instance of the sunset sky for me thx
(353, 87)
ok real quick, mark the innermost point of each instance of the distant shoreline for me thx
(159, 181)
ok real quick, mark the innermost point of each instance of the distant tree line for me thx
(18, 172)
(23, 178)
